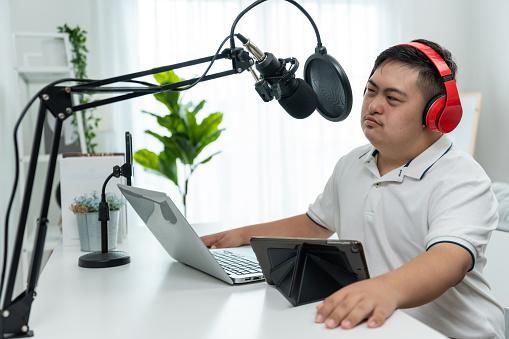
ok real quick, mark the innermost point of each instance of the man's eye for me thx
(391, 98)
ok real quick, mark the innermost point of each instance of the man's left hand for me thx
(367, 299)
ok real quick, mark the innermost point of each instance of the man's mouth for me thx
(370, 120)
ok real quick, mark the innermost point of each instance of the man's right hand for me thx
(298, 226)
(231, 238)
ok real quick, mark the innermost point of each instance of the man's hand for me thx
(421, 280)
(297, 226)
(368, 299)
(231, 238)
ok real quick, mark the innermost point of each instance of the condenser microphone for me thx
(295, 95)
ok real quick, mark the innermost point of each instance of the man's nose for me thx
(376, 105)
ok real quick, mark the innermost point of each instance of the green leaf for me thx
(147, 159)
(209, 128)
(208, 159)
(168, 166)
(168, 77)
(193, 168)
(209, 139)
(193, 128)
(173, 123)
(169, 98)
(166, 141)
(182, 147)
(198, 107)
(164, 165)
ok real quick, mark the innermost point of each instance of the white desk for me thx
(157, 297)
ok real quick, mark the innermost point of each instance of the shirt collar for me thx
(424, 161)
(415, 168)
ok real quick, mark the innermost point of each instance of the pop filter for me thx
(330, 83)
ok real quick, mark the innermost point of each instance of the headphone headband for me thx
(441, 116)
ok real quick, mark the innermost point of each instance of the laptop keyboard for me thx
(233, 263)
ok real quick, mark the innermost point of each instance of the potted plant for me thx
(86, 209)
(186, 139)
(77, 39)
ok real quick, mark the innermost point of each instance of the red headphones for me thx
(443, 112)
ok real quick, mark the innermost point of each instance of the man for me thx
(423, 210)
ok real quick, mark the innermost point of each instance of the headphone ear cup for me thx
(432, 112)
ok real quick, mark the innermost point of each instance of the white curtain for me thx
(271, 166)
(117, 50)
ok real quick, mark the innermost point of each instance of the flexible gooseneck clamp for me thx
(57, 100)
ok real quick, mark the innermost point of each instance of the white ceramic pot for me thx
(89, 228)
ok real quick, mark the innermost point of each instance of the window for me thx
(271, 166)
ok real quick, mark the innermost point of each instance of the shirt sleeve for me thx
(326, 205)
(463, 211)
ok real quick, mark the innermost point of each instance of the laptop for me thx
(182, 243)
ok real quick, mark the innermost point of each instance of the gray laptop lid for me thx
(172, 230)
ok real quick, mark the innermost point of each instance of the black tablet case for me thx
(309, 272)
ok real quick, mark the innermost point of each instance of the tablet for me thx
(352, 251)
(305, 270)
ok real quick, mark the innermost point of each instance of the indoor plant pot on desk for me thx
(86, 210)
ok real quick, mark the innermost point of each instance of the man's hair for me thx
(429, 81)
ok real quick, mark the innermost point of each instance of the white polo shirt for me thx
(443, 195)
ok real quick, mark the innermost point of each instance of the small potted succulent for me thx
(86, 209)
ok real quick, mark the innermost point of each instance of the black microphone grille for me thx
(330, 83)
(302, 102)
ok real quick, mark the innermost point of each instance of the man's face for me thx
(392, 108)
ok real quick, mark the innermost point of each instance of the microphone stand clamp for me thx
(268, 92)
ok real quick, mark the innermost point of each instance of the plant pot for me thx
(89, 228)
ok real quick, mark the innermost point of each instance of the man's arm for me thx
(297, 226)
(416, 283)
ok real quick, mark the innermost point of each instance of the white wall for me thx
(491, 56)
(452, 28)
(475, 31)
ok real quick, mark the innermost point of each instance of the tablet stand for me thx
(309, 273)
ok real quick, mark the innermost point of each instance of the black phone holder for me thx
(105, 257)
(309, 272)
